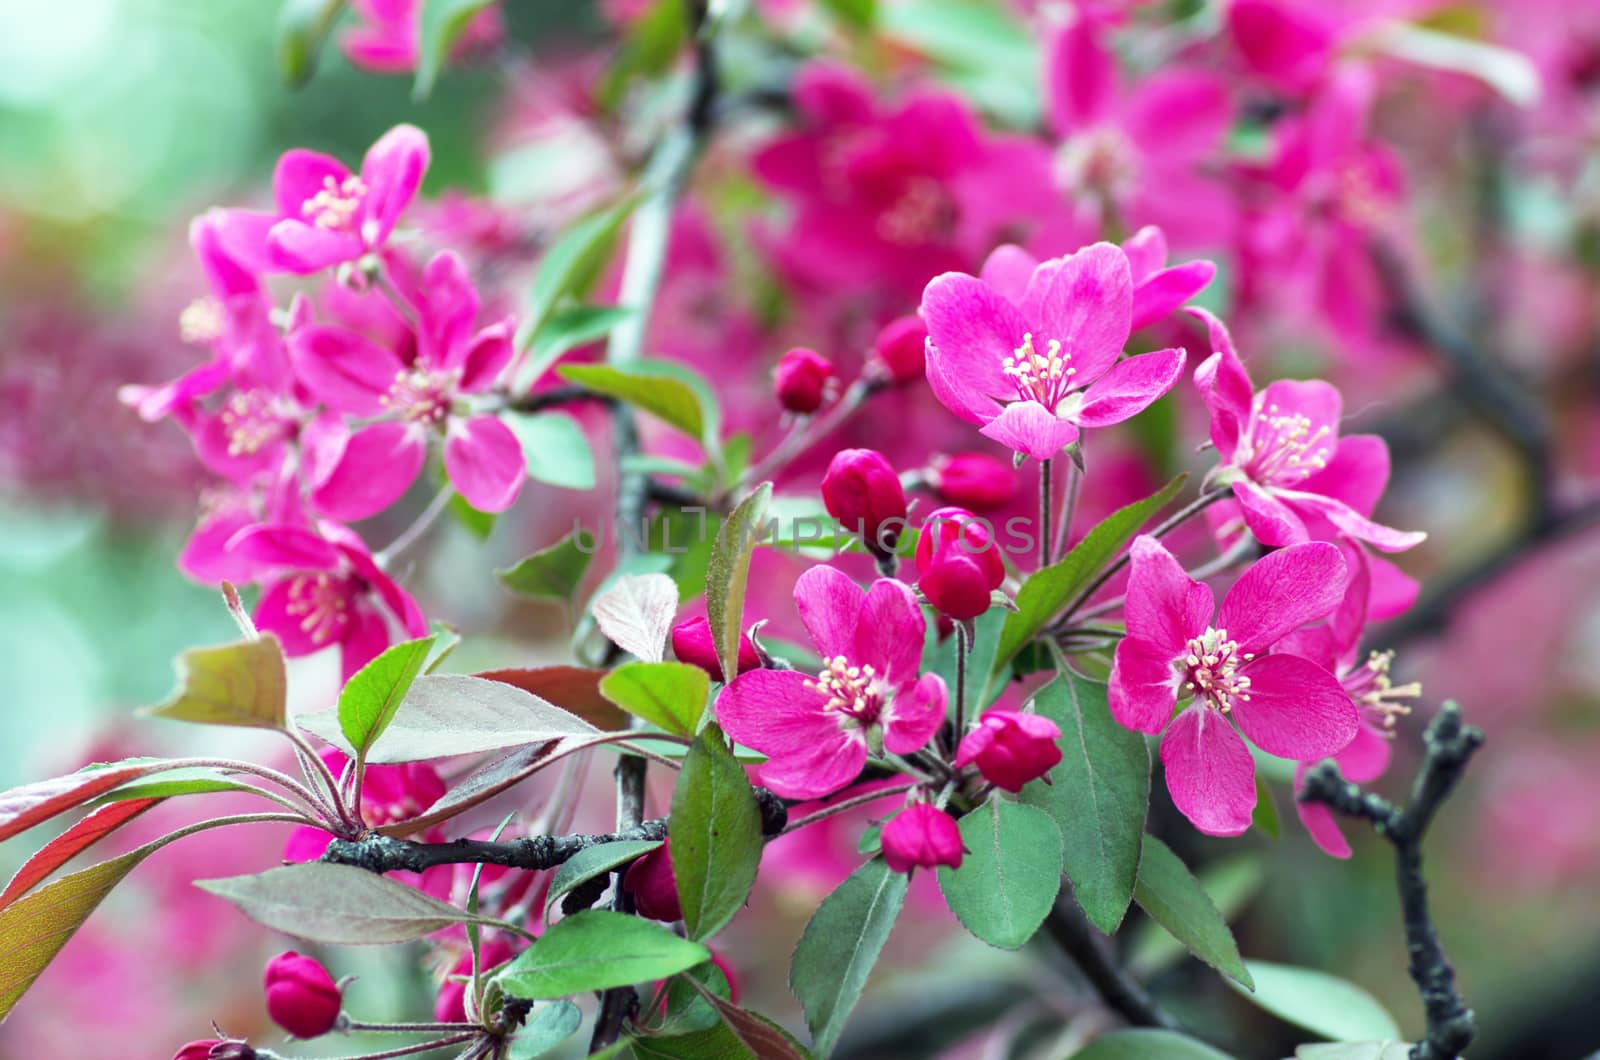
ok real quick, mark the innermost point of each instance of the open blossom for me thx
(1035, 370)
(388, 35)
(328, 215)
(1282, 455)
(413, 398)
(816, 730)
(1286, 705)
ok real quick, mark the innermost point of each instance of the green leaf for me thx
(303, 27)
(373, 694)
(669, 695)
(1230, 883)
(574, 326)
(939, 656)
(555, 449)
(764, 1039)
(479, 524)
(573, 262)
(656, 387)
(1148, 1045)
(1098, 796)
(859, 13)
(232, 684)
(1265, 815)
(840, 945)
(594, 861)
(442, 24)
(1011, 875)
(1047, 591)
(729, 574)
(550, 574)
(714, 835)
(1323, 1004)
(544, 1029)
(597, 950)
(685, 1008)
(1175, 900)
(714, 1042)
(653, 42)
(337, 904)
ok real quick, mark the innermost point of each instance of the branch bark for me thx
(1122, 993)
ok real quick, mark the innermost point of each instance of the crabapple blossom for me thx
(302, 997)
(654, 886)
(1010, 748)
(692, 643)
(976, 481)
(817, 730)
(897, 352)
(959, 563)
(862, 491)
(451, 1004)
(1224, 665)
(804, 381)
(388, 35)
(922, 836)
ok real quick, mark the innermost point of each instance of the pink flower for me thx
(817, 731)
(1011, 748)
(1288, 45)
(1036, 369)
(414, 398)
(324, 589)
(328, 215)
(862, 491)
(654, 886)
(958, 563)
(1282, 455)
(389, 34)
(1286, 705)
(692, 644)
(921, 836)
(804, 381)
(897, 351)
(451, 1004)
(302, 997)
(973, 480)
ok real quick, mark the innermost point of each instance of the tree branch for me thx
(1450, 744)
(1124, 994)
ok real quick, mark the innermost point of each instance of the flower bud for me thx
(921, 836)
(654, 886)
(692, 644)
(216, 1049)
(958, 562)
(958, 529)
(451, 1006)
(973, 480)
(862, 491)
(302, 997)
(899, 349)
(803, 380)
(1011, 748)
(200, 1050)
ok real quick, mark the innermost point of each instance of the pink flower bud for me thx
(302, 997)
(921, 836)
(1011, 748)
(692, 644)
(654, 886)
(201, 1050)
(451, 1006)
(959, 564)
(899, 349)
(974, 480)
(862, 491)
(802, 380)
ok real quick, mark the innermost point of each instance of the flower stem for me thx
(845, 805)
(1045, 487)
(962, 646)
(1178, 518)
(413, 533)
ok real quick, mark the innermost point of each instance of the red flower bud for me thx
(921, 836)
(900, 349)
(216, 1049)
(302, 997)
(959, 564)
(973, 480)
(692, 644)
(654, 886)
(862, 491)
(1011, 748)
(451, 1006)
(197, 1050)
(802, 380)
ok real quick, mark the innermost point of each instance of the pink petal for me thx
(1393, 590)
(1356, 475)
(1317, 401)
(1319, 821)
(486, 356)
(830, 604)
(1367, 755)
(915, 715)
(1027, 427)
(1316, 644)
(322, 446)
(1353, 524)
(1167, 289)
(1271, 520)
(294, 246)
(972, 330)
(1179, 115)
(206, 557)
(1287, 44)
(485, 463)
(1007, 270)
(285, 546)
(300, 175)
(1164, 606)
(1295, 709)
(392, 171)
(378, 465)
(971, 405)
(306, 844)
(347, 371)
(1080, 78)
(447, 305)
(1210, 773)
(1147, 253)
(1283, 591)
(889, 632)
(830, 762)
(1349, 619)
(1225, 386)
(830, 93)
(1086, 302)
(226, 275)
(1130, 387)
(777, 712)
(400, 603)
(1143, 687)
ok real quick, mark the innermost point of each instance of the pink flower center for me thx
(255, 419)
(1376, 693)
(321, 602)
(1102, 162)
(1281, 449)
(201, 321)
(334, 206)
(924, 213)
(1209, 669)
(1043, 377)
(854, 692)
(422, 395)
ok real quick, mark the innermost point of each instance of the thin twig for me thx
(845, 805)
(1178, 518)
(1070, 930)
(1450, 745)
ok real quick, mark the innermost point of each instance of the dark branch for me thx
(555, 397)
(1450, 744)
(1124, 994)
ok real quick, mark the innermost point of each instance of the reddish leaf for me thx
(71, 843)
(572, 688)
(22, 808)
